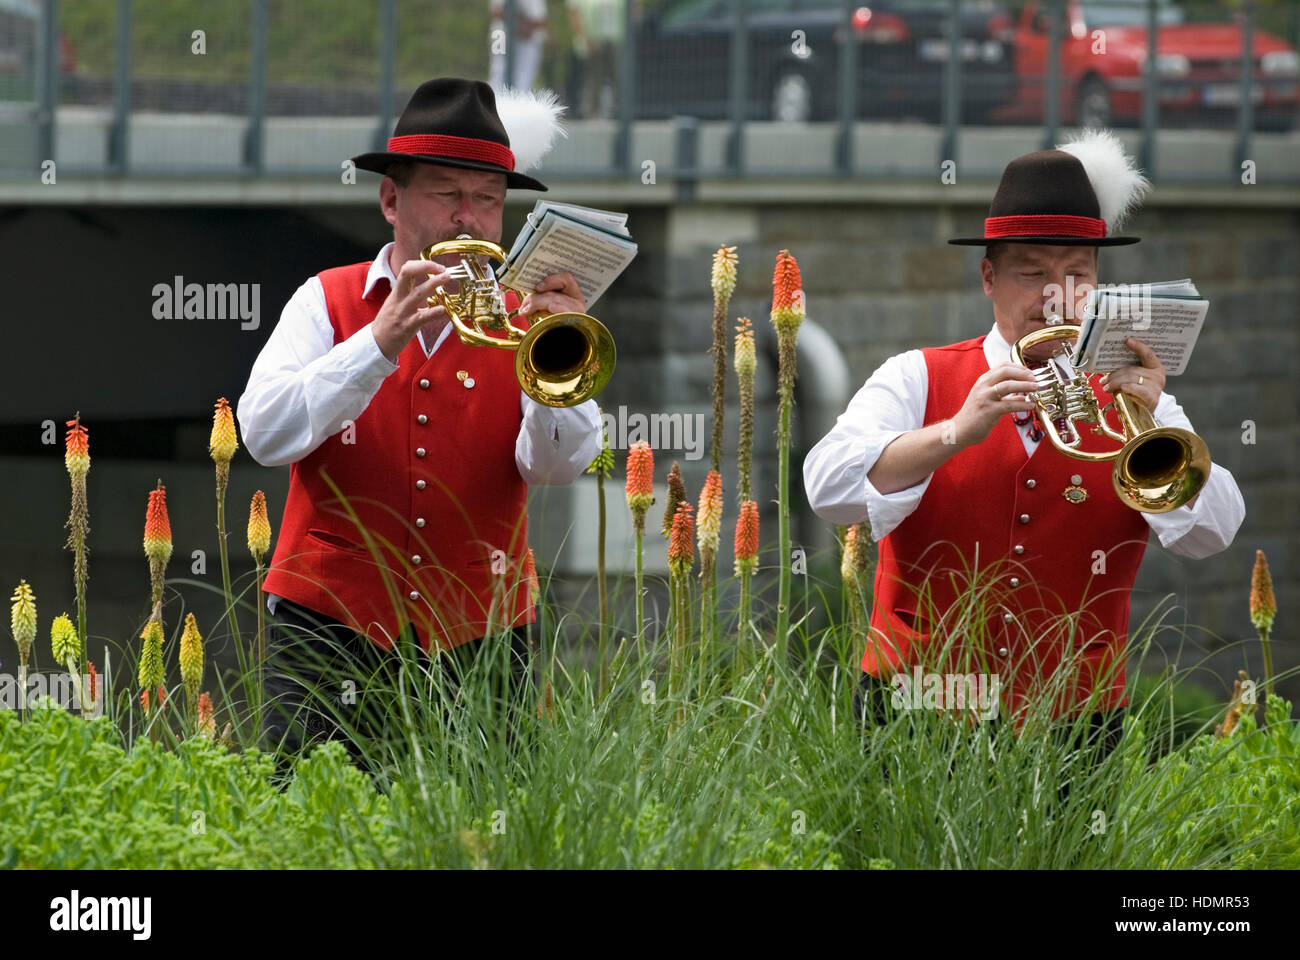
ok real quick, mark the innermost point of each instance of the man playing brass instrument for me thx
(940, 452)
(430, 441)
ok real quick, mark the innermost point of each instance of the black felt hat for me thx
(455, 122)
(1075, 195)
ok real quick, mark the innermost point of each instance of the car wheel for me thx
(792, 98)
(1093, 106)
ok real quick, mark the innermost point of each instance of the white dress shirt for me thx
(304, 387)
(892, 402)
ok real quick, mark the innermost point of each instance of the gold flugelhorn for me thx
(1157, 469)
(561, 360)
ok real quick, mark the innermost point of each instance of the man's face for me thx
(440, 203)
(1030, 277)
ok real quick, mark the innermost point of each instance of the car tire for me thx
(1092, 108)
(792, 97)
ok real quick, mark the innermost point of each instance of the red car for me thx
(1103, 49)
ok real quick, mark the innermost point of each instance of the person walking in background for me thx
(529, 38)
(598, 31)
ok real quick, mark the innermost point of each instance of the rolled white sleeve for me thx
(303, 386)
(556, 444)
(1208, 526)
(889, 404)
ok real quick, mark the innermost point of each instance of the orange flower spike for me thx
(94, 682)
(157, 527)
(76, 455)
(681, 546)
(787, 295)
(746, 546)
(223, 443)
(640, 477)
(1263, 606)
(530, 574)
(207, 724)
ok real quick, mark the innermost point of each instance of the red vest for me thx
(994, 523)
(441, 527)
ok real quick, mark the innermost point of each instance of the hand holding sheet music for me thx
(593, 245)
(1166, 316)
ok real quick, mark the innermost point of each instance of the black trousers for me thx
(319, 672)
(872, 705)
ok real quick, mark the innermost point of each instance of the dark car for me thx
(683, 52)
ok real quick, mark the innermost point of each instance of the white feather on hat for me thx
(1115, 178)
(532, 122)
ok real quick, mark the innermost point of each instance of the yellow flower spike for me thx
(223, 442)
(709, 514)
(151, 661)
(259, 528)
(64, 641)
(22, 620)
(723, 276)
(746, 356)
(191, 658)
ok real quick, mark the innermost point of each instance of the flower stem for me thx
(1268, 663)
(640, 590)
(261, 628)
(783, 518)
(745, 627)
(602, 587)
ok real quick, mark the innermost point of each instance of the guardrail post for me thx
(848, 90)
(254, 155)
(119, 133)
(508, 74)
(739, 88)
(47, 81)
(1052, 103)
(626, 91)
(1150, 94)
(686, 170)
(1246, 109)
(952, 84)
(387, 73)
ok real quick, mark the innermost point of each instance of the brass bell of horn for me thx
(1157, 469)
(561, 360)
